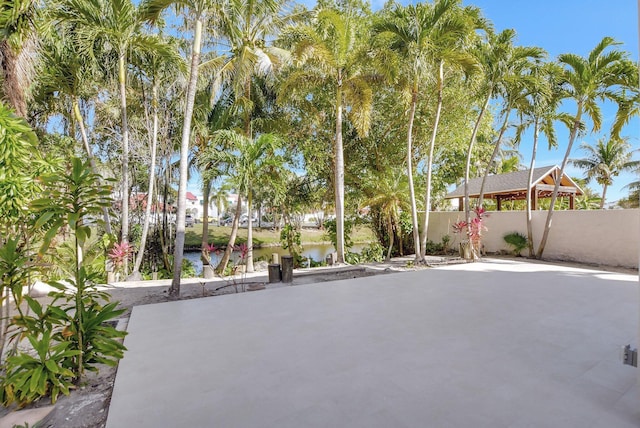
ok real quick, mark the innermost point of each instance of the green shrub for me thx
(517, 241)
(29, 377)
(433, 248)
(331, 229)
(372, 253)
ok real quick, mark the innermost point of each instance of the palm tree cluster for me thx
(336, 108)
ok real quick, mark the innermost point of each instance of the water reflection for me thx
(316, 252)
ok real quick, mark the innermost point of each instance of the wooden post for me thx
(571, 200)
(499, 202)
(460, 204)
(287, 269)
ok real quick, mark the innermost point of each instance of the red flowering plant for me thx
(119, 253)
(243, 250)
(208, 250)
(471, 249)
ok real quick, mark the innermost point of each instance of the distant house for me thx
(193, 205)
(513, 187)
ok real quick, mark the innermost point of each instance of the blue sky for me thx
(563, 26)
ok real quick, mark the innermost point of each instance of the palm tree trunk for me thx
(339, 175)
(412, 193)
(390, 233)
(174, 290)
(604, 195)
(124, 230)
(554, 195)
(232, 239)
(249, 233)
(432, 143)
(472, 141)
(92, 162)
(530, 188)
(496, 149)
(11, 86)
(206, 190)
(152, 178)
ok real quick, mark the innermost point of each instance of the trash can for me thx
(287, 269)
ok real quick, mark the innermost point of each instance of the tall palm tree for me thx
(19, 23)
(327, 56)
(247, 26)
(538, 108)
(200, 13)
(243, 160)
(605, 161)
(105, 29)
(157, 71)
(498, 57)
(219, 197)
(602, 75)
(424, 34)
(66, 76)
(513, 92)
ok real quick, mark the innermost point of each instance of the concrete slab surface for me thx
(490, 344)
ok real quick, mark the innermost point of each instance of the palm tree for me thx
(605, 161)
(102, 28)
(243, 160)
(327, 56)
(603, 75)
(201, 12)
(423, 34)
(538, 108)
(19, 21)
(247, 26)
(498, 58)
(219, 197)
(158, 71)
(64, 78)
(513, 91)
(387, 193)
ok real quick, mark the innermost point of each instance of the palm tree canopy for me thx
(328, 53)
(427, 33)
(603, 75)
(606, 160)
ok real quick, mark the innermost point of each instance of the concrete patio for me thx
(491, 344)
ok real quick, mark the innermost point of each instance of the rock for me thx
(260, 266)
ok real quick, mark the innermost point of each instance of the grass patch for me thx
(219, 235)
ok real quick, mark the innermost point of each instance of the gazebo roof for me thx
(513, 185)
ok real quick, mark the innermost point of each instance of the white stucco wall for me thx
(607, 237)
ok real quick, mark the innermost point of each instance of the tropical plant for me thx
(604, 161)
(500, 60)
(19, 23)
(602, 75)
(290, 240)
(102, 28)
(30, 377)
(423, 35)
(386, 194)
(243, 160)
(68, 200)
(539, 108)
(328, 57)
(517, 241)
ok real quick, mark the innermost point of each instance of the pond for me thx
(316, 252)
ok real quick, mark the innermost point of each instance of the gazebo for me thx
(513, 187)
